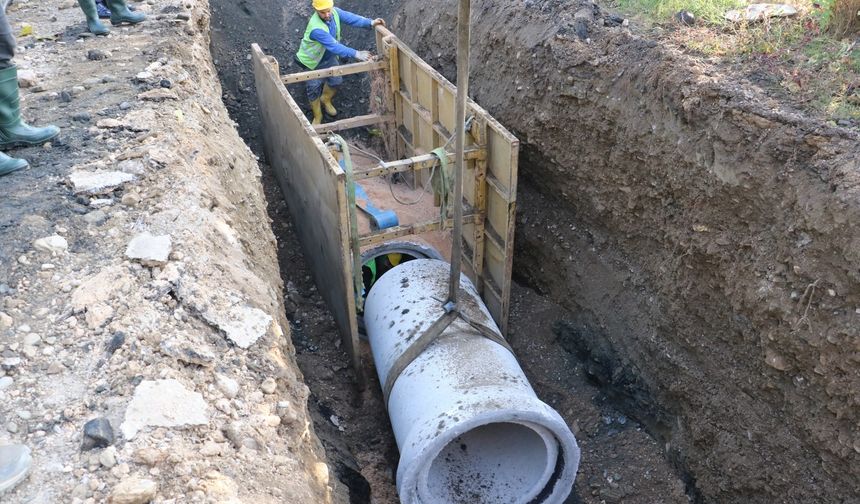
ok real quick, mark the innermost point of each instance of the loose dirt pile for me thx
(139, 281)
(705, 237)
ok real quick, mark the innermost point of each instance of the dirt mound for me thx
(154, 307)
(705, 235)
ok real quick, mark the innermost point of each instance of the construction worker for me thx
(119, 14)
(321, 47)
(14, 131)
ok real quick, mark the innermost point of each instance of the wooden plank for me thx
(336, 71)
(314, 185)
(354, 122)
(377, 237)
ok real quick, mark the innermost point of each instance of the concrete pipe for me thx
(469, 426)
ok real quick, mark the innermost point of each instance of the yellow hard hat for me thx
(323, 4)
(395, 258)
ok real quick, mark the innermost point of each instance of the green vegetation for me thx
(813, 57)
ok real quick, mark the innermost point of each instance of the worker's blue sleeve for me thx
(353, 19)
(331, 44)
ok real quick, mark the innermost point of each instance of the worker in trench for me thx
(119, 14)
(320, 48)
(13, 131)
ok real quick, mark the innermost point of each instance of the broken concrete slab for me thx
(243, 325)
(149, 250)
(100, 288)
(759, 12)
(163, 403)
(98, 182)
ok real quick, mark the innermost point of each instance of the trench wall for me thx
(706, 236)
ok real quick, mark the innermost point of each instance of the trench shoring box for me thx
(417, 116)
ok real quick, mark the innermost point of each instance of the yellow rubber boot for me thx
(327, 94)
(317, 110)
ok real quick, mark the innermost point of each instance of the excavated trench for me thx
(688, 295)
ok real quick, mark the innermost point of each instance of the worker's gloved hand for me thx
(377, 22)
(362, 55)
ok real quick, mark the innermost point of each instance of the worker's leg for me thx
(7, 51)
(91, 12)
(314, 90)
(331, 84)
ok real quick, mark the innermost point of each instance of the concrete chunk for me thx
(163, 403)
(52, 244)
(149, 250)
(98, 182)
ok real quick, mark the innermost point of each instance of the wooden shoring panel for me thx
(377, 237)
(427, 102)
(315, 189)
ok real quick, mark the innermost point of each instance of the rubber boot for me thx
(10, 164)
(327, 94)
(119, 13)
(317, 110)
(91, 12)
(14, 131)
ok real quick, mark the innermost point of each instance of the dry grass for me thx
(844, 18)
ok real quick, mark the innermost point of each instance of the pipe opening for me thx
(379, 260)
(493, 463)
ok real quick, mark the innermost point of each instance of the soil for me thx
(85, 327)
(704, 236)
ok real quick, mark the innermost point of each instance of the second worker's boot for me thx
(14, 131)
(120, 13)
(327, 94)
(91, 12)
(10, 164)
(316, 108)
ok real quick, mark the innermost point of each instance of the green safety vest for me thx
(310, 51)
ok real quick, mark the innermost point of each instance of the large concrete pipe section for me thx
(469, 426)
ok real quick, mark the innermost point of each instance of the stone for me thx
(54, 245)
(32, 339)
(149, 456)
(158, 95)
(188, 352)
(96, 55)
(109, 123)
(133, 491)
(242, 325)
(228, 386)
(107, 458)
(5, 321)
(82, 117)
(130, 199)
(12, 427)
(54, 369)
(149, 250)
(98, 182)
(124, 105)
(101, 202)
(685, 18)
(96, 218)
(163, 403)
(98, 433)
(5, 382)
(27, 79)
(133, 166)
(269, 386)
